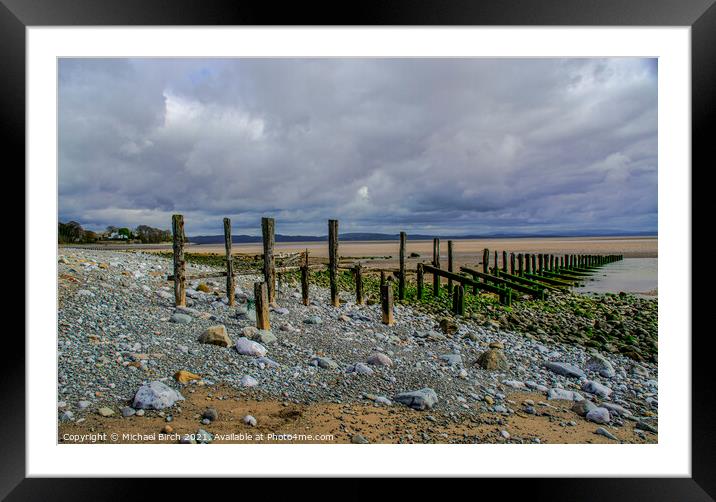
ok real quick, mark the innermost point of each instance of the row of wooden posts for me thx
(528, 273)
(265, 291)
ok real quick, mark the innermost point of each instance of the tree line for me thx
(73, 233)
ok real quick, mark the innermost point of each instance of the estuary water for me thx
(630, 275)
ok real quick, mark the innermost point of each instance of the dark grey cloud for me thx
(424, 145)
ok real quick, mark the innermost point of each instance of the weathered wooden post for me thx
(179, 263)
(386, 302)
(504, 261)
(262, 308)
(436, 264)
(401, 278)
(496, 269)
(512, 263)
(528, 262)
(551, 262)
(420, 281)
(485, 261)
(458, 300)
(540, 263)
(267, 231)
(534, 263)
(230, 284)
(450, 265)
(333, 260)
(521, 264)
(382, 277)
(357, 270)
(304, 279)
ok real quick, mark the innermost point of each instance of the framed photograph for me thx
(422, 240)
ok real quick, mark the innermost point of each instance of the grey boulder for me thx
(564, 395)
(565, 369)
(418, 399)
(583, 407)
(599, 364)
(596, 388)
(155, 396)
(598, 415)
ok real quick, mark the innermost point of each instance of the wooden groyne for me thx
(514, 277)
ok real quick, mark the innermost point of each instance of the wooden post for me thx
(230, 284)
(540, 262)
(386, 301)
(496, 268)
(504, 261)
(179, 263)
(436, 264)
(520, 264)
(357, 270)
(382, 277)
(458, 300)
(401, 278)
(267, 230)
(420, 281)
(304, 279)
(528, 263)
(512, 263)
(485, 261)
(551, 262)
(534, 263)
(333, 260)
(262, 307)
(450, 265)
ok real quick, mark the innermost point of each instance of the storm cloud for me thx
(441, 146)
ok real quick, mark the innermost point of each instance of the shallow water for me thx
(631, 275)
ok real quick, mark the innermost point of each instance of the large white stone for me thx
(248, 347)
(155, 396)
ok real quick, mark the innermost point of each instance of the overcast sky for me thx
(439, 146)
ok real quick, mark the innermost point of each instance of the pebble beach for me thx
(128, 360)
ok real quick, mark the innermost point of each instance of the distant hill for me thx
(367, 236)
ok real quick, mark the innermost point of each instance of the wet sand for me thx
(466, 252)
(633, 247)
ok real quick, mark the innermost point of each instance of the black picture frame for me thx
(700, 15)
